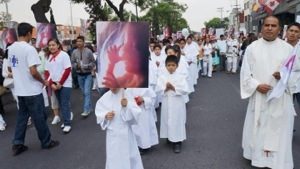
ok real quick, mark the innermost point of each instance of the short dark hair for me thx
(24, 28)
(56, 41)
(222, 36)
(294, 24)
(182, 39)
(191, 36)
(272, 16)
(157, 46)
(81, 38)
(166, 41)
(169, 47)
(172, 59)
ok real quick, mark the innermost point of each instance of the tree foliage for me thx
(159, 13)
(216, 23)
(166, 13)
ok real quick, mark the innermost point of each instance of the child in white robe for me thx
(173, 87)
(145, 130)
(116, 115)
(182, 68)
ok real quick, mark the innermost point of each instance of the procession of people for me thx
(137, 119)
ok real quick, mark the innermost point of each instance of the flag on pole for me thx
(285, 72)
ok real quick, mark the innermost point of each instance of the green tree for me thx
(166, 13)
(216, 23)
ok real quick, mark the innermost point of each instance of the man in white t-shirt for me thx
(222, 47)
(28, 84)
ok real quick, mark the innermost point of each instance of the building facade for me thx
(287, 11)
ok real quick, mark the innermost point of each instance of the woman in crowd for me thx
(207, 58)
(58, 78)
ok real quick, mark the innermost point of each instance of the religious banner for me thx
(45, 32)
(84, 25)
(8, 37)
(219, 32)
(123, 54)
(271, 5)
(167, 32)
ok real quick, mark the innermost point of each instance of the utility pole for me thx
(136, 11)
(7, 16)
(236, 8)
(72, 26)
(221, 10)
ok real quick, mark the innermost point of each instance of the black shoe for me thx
(143, 151)
(177, 147)
(18, 149)
(168, 141)
(52, 144)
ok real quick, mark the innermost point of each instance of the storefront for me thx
(288, 12)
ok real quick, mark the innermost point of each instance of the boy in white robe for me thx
(116, 115)
(145, 130)
(182, 68)
(173, 87)
(191, 52)
(158, 58)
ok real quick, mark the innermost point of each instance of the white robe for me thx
(145, 130)
(182, 69)
(268, 125)
(191, 51)
(121, 147)
(173, 109)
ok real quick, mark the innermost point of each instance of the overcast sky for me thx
(197, 13)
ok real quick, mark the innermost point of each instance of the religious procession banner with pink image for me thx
(45, 32)
(8, 35)
(123, 54)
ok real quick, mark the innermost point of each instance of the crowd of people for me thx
(129, 116)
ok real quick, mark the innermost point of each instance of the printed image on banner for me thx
(123, 54)
(9, 34)
(45, 32)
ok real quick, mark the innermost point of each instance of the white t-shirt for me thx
(208, 49)
(222, 46)
(21, 57)
(56, 68)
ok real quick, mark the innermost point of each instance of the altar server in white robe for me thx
(173, 86)
(182, 69)
(145, 130)
(191, 52)
(158, 57)
(183, 57)
(267, 133)
(158, 60)
(153, 74)
(116, 114)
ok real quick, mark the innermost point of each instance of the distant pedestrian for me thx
(83, 62)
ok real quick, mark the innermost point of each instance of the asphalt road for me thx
(215, 117)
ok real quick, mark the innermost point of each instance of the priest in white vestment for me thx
(116, 115)
(267, 133)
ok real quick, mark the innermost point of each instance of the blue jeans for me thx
(85, 83)
(63, 96)
(32, 106)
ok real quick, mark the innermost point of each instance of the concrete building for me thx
(248, 4)
(65, 32)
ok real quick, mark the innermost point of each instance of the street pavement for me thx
(215, 117)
